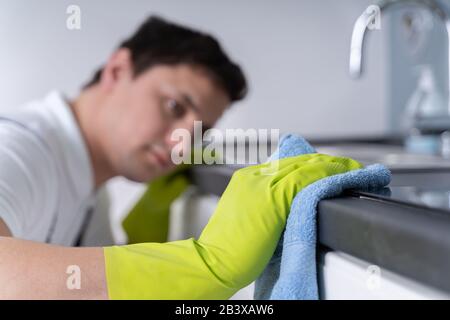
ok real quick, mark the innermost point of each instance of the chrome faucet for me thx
(361, 25)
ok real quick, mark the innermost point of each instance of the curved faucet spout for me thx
(366, 18)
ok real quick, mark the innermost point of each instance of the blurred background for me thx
(295, 54)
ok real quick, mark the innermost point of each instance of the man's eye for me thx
(175, 108)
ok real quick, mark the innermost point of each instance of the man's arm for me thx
(4, 231)
(28, 188)
(31, 270)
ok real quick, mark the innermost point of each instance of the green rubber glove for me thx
(148, 221)
(234, 247)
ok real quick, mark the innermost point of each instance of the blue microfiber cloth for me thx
(291, 274)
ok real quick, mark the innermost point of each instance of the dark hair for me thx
(158, 41)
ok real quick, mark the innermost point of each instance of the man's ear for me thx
(118, 68)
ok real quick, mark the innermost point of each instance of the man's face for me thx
(141, 113)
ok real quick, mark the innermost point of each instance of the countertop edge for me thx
(401, 238)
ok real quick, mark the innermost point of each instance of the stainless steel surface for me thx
(394, 157)
(430, 197)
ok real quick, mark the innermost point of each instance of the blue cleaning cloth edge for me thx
(291, 273)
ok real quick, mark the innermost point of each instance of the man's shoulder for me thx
(29, 117)
(15, 131)
(30, 123)
(24, 150)
(25, 133)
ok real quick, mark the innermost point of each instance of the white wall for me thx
(294, 52)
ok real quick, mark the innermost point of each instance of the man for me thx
(55, 153)
(164, 77)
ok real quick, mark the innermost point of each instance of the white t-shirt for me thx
(46, 179)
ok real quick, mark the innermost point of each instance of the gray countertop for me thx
(406, 237)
